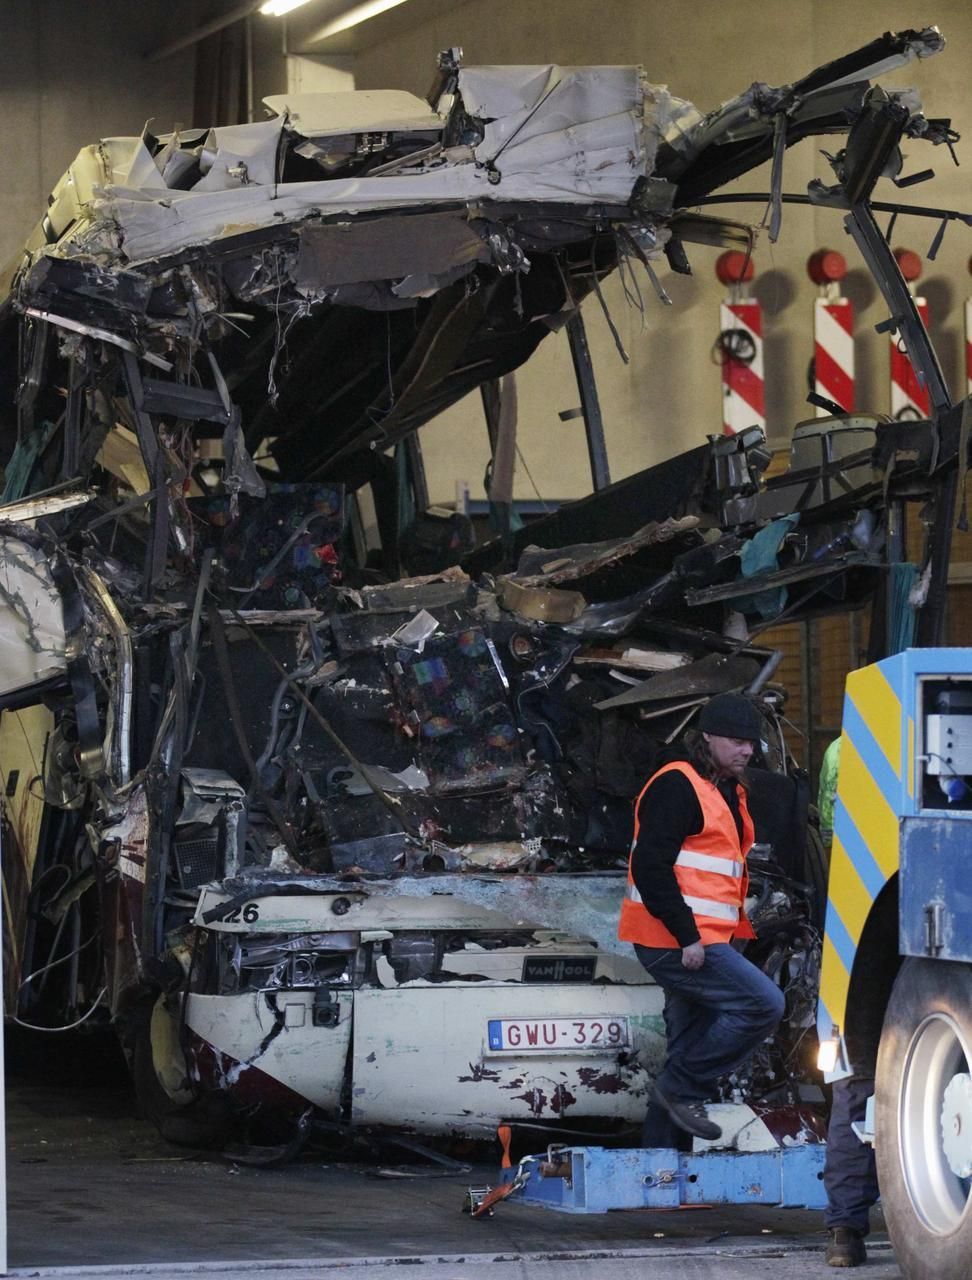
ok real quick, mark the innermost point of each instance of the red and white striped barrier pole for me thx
(740, 346)
(968, 342)
(909, 399)
(833, 332)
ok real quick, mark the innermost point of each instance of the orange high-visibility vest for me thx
(710, 870)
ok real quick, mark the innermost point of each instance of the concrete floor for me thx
(92, 1186)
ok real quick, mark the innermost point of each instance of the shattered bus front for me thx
(311, 834)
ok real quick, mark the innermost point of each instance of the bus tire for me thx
(164, 1093)
(923, 1125)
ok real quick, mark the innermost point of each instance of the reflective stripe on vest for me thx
(700, 906)
(708, 907)
(710, 870)
(708, 862)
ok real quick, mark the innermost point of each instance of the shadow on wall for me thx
(870, 371)
(860, 288)
(943, 302)
(669, 365)
(785, 361)
(775, 291)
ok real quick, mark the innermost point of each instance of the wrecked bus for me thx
(332, 829)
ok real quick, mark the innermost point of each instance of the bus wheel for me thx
(164, 1092)
(923, 1119)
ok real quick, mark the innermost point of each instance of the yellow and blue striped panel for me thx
(866, 824)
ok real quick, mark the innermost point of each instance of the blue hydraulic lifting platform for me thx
(598, 1179)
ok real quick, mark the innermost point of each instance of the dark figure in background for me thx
(850, 1174)
(684, 905)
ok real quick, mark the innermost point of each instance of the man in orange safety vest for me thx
(684, 905)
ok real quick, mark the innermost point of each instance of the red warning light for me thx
(733, 267)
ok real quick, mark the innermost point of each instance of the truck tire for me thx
(923, 1125)
(165, 1096)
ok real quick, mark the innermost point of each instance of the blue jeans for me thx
(715, 1016)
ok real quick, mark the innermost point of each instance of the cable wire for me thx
(523, 463)
(32, 1026)
(61, 960)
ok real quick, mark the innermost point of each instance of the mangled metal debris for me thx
(312, 833)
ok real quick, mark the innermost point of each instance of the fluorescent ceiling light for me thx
(277, 8)
(360, 13)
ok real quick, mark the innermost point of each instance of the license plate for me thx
(556, 1035)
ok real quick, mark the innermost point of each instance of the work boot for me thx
(846, 1248)
(688, 1115)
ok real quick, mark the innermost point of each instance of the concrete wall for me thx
(72, 71)
(668, 398)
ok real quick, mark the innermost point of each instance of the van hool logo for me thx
(559, 968)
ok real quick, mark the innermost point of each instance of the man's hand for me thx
(693, 957)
